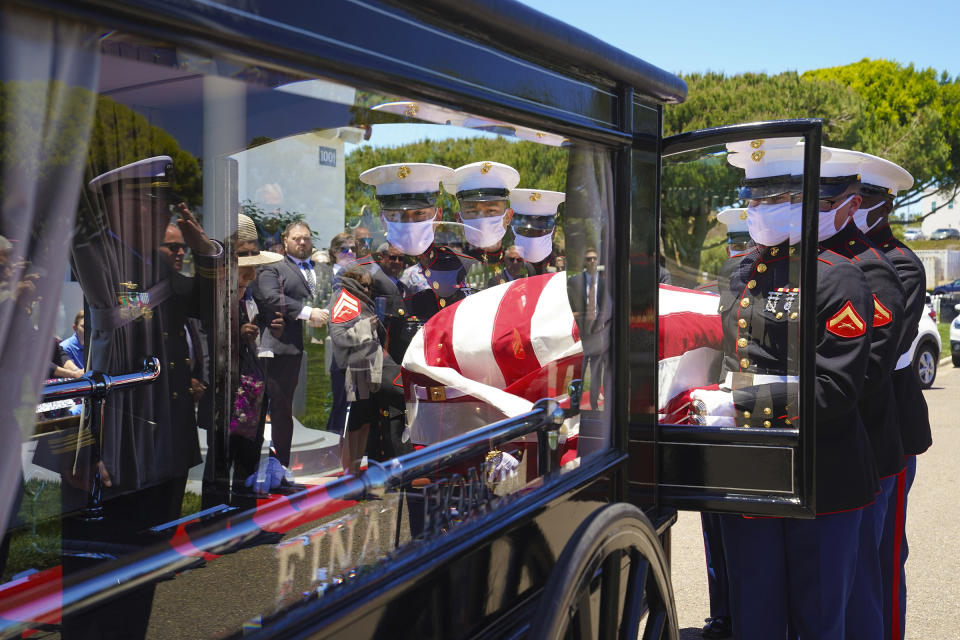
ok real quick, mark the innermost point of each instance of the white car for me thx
(925, 350)
(955, 338)
(913, 234)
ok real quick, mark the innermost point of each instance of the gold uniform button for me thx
(400, 312)
(436, 285)
(744, 363)
(793, 250)
(746, 426)
(720, 308)
(793, 316)
(384, 413)
(761, 267)
(746, 414)
(852, 242)
(779, 314)
(787, 422)
(751, 284)
(774, 251)
(443, 303)
(742, 342)
(745, 302)
(427, 273)
(175, 395)
(767, 411)
(767, 424)
(742, 323)
(186, 361)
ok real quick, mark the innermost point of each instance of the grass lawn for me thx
(319, 397)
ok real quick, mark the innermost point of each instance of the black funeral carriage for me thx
(127, 513)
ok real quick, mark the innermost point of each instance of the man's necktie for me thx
(310, 276)
(591, 302)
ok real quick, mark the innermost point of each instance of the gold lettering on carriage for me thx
(330, 554)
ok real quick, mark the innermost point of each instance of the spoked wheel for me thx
(611, 581)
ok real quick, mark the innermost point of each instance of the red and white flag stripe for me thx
(494, 338)
(690, 341)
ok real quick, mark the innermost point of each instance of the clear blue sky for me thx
(734, 36)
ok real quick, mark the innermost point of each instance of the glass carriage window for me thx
(729, 310)
(328, 277)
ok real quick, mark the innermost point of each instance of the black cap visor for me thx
(483, 195)
(771, 187)
(833, 187)
(408, 201)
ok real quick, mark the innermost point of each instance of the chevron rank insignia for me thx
(846, 323)
(346, 308)
(881, 315)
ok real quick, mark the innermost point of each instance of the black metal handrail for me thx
(98, 384)
(129, 572)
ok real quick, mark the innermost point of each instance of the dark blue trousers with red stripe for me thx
(791, 576)
(893, 555)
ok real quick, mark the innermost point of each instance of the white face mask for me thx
(484, 232)
(828, 221)
(534, 249)
(860, 217)
(769, 224)
(413, 238)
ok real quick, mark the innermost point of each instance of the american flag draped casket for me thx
(689, 349)
(491, 356)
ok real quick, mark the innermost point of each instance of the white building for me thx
(947, 208)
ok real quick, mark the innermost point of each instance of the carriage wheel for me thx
(611, 581)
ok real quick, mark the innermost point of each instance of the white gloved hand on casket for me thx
(503, 466)
(714, 407)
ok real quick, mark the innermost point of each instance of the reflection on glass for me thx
(434, 272)
(729, 331)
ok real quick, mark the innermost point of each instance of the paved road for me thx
(933, 529)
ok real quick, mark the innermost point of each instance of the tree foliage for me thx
(912, 117)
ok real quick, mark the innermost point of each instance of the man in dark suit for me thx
(586, 293)
(284, 287)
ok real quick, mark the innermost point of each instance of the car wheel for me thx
(925, 364)
(956, 360)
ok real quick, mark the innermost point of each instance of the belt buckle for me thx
(437, 394)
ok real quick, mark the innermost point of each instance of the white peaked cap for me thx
(874, 170)
(765, 158)
(735, 219)
(484, 175)
(533, 135)
(423, 111)
(536, 202)
(842, 162)
(149, 168)
(407, 177)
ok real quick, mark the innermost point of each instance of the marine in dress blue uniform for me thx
(877, 403)
(881, 180)
(792, 574)
(407, 195)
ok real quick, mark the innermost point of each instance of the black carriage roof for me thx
(505, 23)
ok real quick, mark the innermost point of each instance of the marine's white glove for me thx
(715, 408)
(504, 466)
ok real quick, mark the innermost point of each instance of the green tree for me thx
(912, 118)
